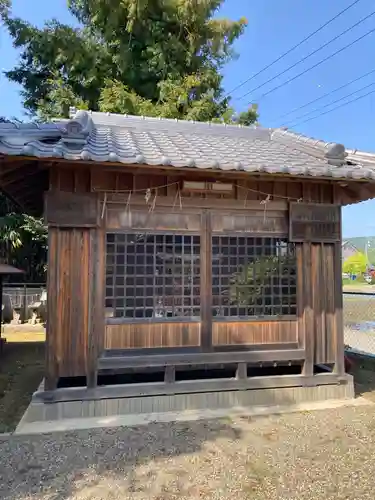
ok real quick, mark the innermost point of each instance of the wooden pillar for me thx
(308, 368)
(91, 359)
(206, 282)
(300, 297)
(96, 311)
(339, 366)
(51, 370)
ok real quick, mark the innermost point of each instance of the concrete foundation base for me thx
(112, 411)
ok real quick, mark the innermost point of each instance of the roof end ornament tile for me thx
(336, 154)
(78, 128)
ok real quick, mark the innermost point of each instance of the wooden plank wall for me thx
(75, 321)
(322, 295)
(83, 179)
(271, 332)
(319, 292)
(69, 351)
(68, 314)
(136, 336)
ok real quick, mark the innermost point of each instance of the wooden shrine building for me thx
(186, 257)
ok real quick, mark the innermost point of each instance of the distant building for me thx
(348, 249)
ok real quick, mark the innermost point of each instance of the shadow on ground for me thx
(21, 371)
(363, 371)
(142, 462)
(69, 465)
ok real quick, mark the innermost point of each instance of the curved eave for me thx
(317, 170)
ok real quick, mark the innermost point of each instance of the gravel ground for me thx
(311, 455)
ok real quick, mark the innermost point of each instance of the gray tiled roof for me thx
(103, 137)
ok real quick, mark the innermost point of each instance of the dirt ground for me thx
(319, 455)
(21, 371)
(23, 333)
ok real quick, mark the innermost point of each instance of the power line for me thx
(323, 96)
(293, 48)
(308, 55)
(329, 104)
(316, 65)
(334, 109)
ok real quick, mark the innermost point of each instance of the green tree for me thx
(151, 57)
(259, 279)
(23, 241)
(355, 264)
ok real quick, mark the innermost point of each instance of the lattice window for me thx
(253, 277)
(152, 275)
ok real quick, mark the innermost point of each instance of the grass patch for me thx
(21, 371)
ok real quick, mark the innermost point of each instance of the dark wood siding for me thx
(270, 332)
(152, 335)
(68, 292)
(317, 278)
(76, 333)
(78, 178)
(75, 323)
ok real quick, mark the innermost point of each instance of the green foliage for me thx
(361, 242)
(257, 279)
(355, 264)
(24, 242)
(4, 7)
(60, 97)
(142, 57)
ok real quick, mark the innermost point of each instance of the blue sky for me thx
(273, 28)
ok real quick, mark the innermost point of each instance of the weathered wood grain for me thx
(76, 334)
(267, 332)
(206, 281)
(314, 222)
(71, 209)
(258, 222)
(153, 335)
(126, 217)
(68, 304)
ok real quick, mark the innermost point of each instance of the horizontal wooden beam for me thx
(163, 169)
(188, 386)
(118, 201)
(186, 319)
(147, 360)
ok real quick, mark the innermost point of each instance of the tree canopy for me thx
(144, 57)
(356, 264)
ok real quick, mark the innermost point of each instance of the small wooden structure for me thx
(177, 244)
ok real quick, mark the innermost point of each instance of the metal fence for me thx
(359, 321)
(23, 299)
